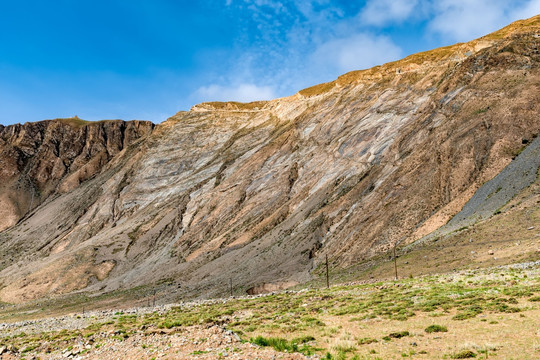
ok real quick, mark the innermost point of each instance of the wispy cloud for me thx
(291, 44)
(296, 43)
(359, 51)
(240, 92)
(223, 49)
(383, 12)
(462, 20)
(527, 10)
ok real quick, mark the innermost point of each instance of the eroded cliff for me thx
(53, 157)
(261, 192)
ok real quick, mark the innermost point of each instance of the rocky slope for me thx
(41, 159)
(261, 192)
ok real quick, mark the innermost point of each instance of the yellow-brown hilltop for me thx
(530, 25)
(426, 59)
(412, 63)
(230, 106)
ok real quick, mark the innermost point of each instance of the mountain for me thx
(53, 157)
(260, 193)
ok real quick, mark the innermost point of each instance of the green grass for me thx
(436, 328)
(282, 345)
(366, 341)
(464, 354)
(398, 335)
(309, 317)
(199, 352)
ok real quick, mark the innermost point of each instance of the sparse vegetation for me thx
(317, 89)
(355, 315)
(398, 335)
(464, 354)
(366, 340)
(280, 344)
(436, 328)
(481, 111)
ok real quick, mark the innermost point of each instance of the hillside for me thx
(260, 193)
(41, 159)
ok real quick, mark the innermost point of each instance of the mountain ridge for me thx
(52, 156)
(262, 192)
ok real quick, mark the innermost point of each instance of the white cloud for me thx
(463, 20)
(298, 43)
(241, 93)
(528, 10)
(382, 12)
(356, 52)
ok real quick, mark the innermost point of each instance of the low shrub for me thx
(399, 334)
(280, 344)
(436, 328)
(366, 340)
(464, 354)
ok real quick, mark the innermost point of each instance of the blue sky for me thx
(148, 59)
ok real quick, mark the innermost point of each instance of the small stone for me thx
(491, 252)
(3, 349)
(531, 228)
(414, 344)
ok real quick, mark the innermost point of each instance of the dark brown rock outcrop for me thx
(50, 157)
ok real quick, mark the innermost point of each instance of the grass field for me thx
(489, 313)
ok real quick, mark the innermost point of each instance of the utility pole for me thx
(327, 277)
(395, 260)
(230, 285)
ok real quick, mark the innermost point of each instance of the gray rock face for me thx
(495, 193)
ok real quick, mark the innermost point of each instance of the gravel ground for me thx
(194, 342)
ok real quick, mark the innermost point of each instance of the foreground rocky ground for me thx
(200, 342)
(490, 313)
(207, 341)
